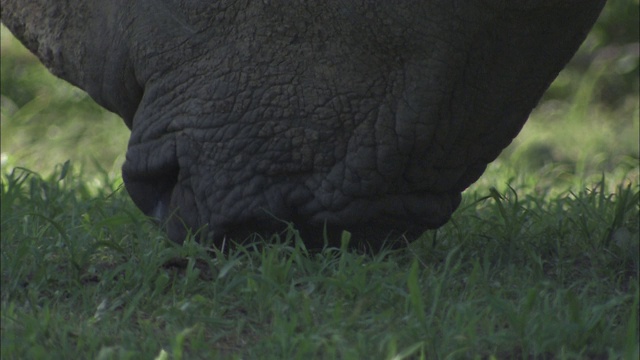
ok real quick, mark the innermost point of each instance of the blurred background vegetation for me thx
(586, 124)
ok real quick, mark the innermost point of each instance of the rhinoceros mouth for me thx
(371, 222)
(150, 174)
(196, 197)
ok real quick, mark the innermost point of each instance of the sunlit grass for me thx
(46, 121)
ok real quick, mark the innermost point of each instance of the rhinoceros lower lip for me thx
(385, 220)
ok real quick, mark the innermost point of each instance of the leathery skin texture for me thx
(370, 117)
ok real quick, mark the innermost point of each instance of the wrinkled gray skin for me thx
(370, 116)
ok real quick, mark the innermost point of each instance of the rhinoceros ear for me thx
(82, 42)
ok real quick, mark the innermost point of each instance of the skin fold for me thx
(368, 116)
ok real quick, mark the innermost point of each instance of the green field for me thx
(540, 261)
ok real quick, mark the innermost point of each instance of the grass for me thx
(85, 275)
(46, 121)
(540, 261)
